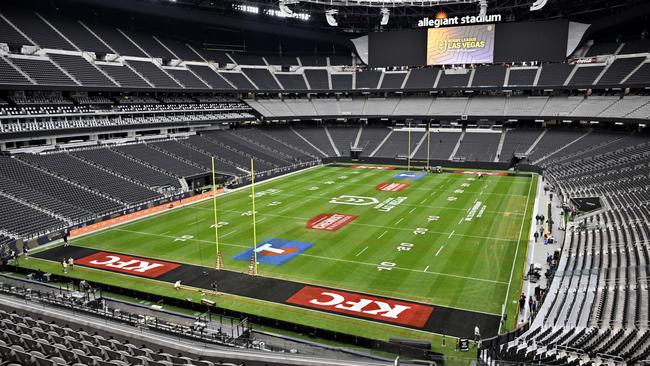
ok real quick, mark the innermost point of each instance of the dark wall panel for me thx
(531, 41)
(401, 48)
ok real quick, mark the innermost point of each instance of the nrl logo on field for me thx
(384, 206)
(354, 200)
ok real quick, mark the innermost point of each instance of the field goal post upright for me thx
(218, 257)
(408, 153)
(252, 269)
(428, 144)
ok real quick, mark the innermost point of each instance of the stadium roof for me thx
(364, 15)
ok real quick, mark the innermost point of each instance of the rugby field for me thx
(378, 244)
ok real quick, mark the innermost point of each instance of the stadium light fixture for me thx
(538, 5)
(331, 20)
(246, 8)
(385, 16)
(483, 8)
(284, 7)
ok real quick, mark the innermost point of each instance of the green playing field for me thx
(448, 239)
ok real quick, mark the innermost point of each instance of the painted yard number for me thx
(184, 238)
(420, 231)
(220, 224)
(274, 203)
(248, 213)
(385, 266)
(433, 218)
(405, 247)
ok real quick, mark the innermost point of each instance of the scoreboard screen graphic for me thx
(460, 45)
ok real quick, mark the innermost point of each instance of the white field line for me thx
(228, 234)
(385, 227)
(195, 222)
(439, 250)
(423, 201)
(461, 220)
(382, 234)
(413, 209)
(514, 260)
(398, 221)
(416, 189)
(363, 250)
(451, 234)
(310, 197)
(426, 269)
(285, 209)
(324, 258)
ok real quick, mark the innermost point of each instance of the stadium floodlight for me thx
(385, 15)
(483, 6)
(284, 7)
(331, 20)
(538, 5)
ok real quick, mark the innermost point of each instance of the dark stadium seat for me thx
(209, 76)
(38, 30)
(318, 79)
(238, 80)
(82, 70)
(43, 71)
(154, 74)
(422, 78)
(292, 81)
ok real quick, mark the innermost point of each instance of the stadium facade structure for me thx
(97, 120)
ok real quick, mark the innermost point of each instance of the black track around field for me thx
(443, 320)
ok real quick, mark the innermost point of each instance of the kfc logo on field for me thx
(127, 264)
(364, 306)
(392, 187)
(373, 167)
(330, 222)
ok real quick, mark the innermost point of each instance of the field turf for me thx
(449, 239)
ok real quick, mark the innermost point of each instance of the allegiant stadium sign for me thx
(466, 20)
